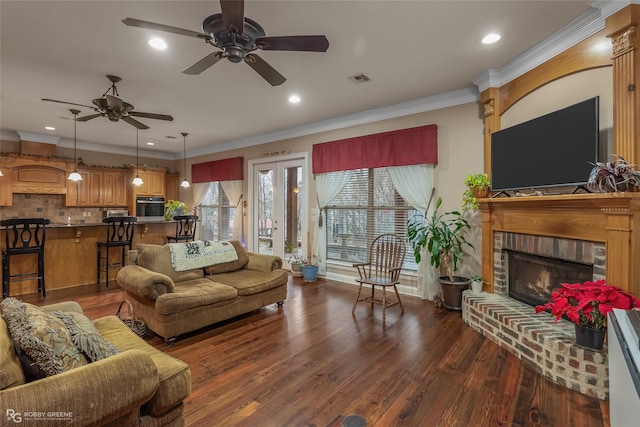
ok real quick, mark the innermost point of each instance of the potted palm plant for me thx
(444, 237)
(477, 188)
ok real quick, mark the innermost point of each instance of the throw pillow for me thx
(86, 337)
(42, 337)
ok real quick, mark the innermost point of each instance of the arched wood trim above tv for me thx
(622, 40)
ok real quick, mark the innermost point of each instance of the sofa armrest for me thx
(144, 283)
(262, 262)
(90, 395)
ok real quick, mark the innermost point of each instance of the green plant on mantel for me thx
(477, 187)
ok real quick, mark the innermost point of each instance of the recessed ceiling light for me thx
(491, 38)
(294, 99)
(151, 143)
(49, 128)
(158, 43)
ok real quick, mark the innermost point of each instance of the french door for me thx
(278, 208)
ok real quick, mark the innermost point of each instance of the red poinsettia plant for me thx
(587, 304)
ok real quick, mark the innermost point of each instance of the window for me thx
(367, 207)
(216, 214)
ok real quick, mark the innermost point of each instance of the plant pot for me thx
(476, 286)
(296, 270)
(480, 193)
(309, 273)
(592, 339)
(452, 291)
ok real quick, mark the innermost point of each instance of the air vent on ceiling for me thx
(359, 78)
(170, 137)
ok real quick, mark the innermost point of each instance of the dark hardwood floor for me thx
(312, 363)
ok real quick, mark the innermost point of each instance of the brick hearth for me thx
(547, 346)
(534, 338)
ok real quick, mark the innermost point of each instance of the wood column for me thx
(622, 28)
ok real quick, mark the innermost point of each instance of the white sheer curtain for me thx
(199, 192)
(328, 186)
(233, 190)
(415, 185)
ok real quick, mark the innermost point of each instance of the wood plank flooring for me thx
(311, 363)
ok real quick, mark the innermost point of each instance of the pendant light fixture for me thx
(137, 181)
(75, 176)
(184, 183)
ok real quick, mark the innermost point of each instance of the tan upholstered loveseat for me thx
(173, 302)
(140, 386)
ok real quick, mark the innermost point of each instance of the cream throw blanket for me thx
(200, 254)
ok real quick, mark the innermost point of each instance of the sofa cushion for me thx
(225, 267)
(158, 258)
(194, 293)
(11, 373)
(173, 374)
(86, 337)
(43, 339)
(249, 282)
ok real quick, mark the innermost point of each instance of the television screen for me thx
(556, 149)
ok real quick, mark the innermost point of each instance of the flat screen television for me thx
(556, 149)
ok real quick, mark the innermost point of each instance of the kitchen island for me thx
(71, 254)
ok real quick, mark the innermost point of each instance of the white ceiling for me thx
(410, 49)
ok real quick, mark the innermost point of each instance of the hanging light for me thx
(75, 176)
(185, 183)
(137, 181)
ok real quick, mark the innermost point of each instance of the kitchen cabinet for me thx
(171, 186)
(153, 183)
(98, 188)
(6, 195)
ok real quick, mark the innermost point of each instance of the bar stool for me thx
(185, 228)
(23, 236)
(119, 235)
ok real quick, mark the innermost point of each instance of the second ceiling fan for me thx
(238, 36)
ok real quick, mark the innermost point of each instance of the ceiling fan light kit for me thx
(237, 36)
(111, 106)
(75, 176)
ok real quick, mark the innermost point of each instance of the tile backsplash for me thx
(49, 206)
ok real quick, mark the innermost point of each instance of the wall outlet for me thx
(84, 214)
(89, 213)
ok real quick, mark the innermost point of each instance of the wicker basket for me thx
(136, 325)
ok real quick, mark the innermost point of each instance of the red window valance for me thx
(413, 146)
(218, 170)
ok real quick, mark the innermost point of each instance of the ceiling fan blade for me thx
(87, 118)
(114, 101)
(233, 15)
(135, 123)
(151, 115)
(132, 22)
(299, 43)
(267, 72)
(70, 103)
(203, 64)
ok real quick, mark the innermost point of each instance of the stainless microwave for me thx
(150, 207)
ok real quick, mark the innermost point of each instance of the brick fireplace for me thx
(598, 230)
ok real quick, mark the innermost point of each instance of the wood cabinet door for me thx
(78, 192)
(171, 187)
(6, 196)
(120, 192)
(108, 189)
(157, 183)
(145, 188)
(95, 188)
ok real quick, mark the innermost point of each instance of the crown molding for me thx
(37, 137)
(436, 102)
(112, 149)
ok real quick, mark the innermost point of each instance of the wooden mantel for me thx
(611, 218)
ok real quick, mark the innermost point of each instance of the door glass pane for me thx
(292, 211)
(265, 210)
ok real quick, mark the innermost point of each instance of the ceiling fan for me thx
(237, 36)
(110, 105)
